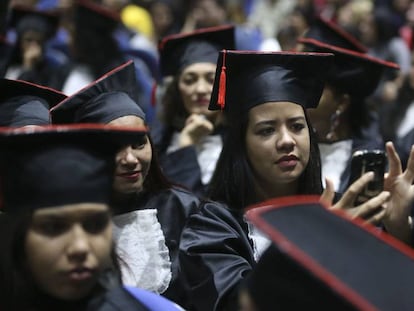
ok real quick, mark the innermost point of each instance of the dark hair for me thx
(15, 284)
(155, 179)
(232, 181)
(173, 113)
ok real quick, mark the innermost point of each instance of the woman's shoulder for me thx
(151, 300)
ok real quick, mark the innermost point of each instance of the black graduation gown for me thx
(173, 206)
(180, 166)
(216, 254)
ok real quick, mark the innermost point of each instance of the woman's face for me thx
(132, 162)
(277, 143)
(195, 85)
(67, 247)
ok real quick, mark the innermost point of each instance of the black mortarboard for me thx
(23, 103)
(91, 15)
(27, 18)
(57, 165)
(246, 79)
(201, 46)
(354, 73)
(330, 33)
(320, 259)
(113, 95)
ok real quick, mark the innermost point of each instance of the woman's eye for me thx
(52, 227)
(140, 144)
(96, 224)
(265, 131)
(298, 127)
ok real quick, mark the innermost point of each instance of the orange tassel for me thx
(221, 101)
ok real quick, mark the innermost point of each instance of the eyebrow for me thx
(272, 121)
(58, 216)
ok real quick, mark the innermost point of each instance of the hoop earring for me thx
(335, 121)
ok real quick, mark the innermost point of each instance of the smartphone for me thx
(364, 161)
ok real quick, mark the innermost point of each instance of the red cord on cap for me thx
(221, 101)
(154, 94)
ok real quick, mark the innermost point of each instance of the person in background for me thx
(188, 137)
(149, 211)
(270, 151)
(31, 59)
(56, 231)
(343, 120)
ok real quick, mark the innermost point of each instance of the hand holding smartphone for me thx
(364, 161)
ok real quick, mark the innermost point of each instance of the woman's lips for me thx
(287, 162)
(80, 275)
(135, 175)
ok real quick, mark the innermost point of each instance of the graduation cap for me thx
(23, 103)
(91, 15)
(113, 95)
(320, 259)
(355, 73)
(330, 33)
(201, 46)
(246, 79)
(24, 18)
(58, 165)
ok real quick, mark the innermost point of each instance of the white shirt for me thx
(140, 243)
(334, 158)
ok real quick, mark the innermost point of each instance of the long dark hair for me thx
(173, 113)
(232, 181)
(155, 180)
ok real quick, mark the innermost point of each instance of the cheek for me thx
(42, 254)
(103, 245)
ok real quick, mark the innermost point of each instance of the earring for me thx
(335, 120)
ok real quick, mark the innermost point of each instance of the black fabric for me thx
(279, 284)
(216, 254)
(354, 261)
(173, 207)
(14, 88)
(111, 96)
(116, 299)
(24, 110)
(354, 73)
(93, 15)
(200, 46)
(329, 32)
(26, 18)
(57, 166)
(254, 78)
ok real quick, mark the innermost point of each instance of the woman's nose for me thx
(78, 248)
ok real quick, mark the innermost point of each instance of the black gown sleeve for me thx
(215, 256)
(174, 206)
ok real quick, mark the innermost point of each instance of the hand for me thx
(373, 210)
(31, 56)
(399, 184)
(196, 127)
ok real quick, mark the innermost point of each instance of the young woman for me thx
(31, 58)
(150, 212)
(188, 137)
(56, 233)
(344, 120)
(270, 152)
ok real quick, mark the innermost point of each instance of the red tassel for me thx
(221, 101)
(154, 94)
